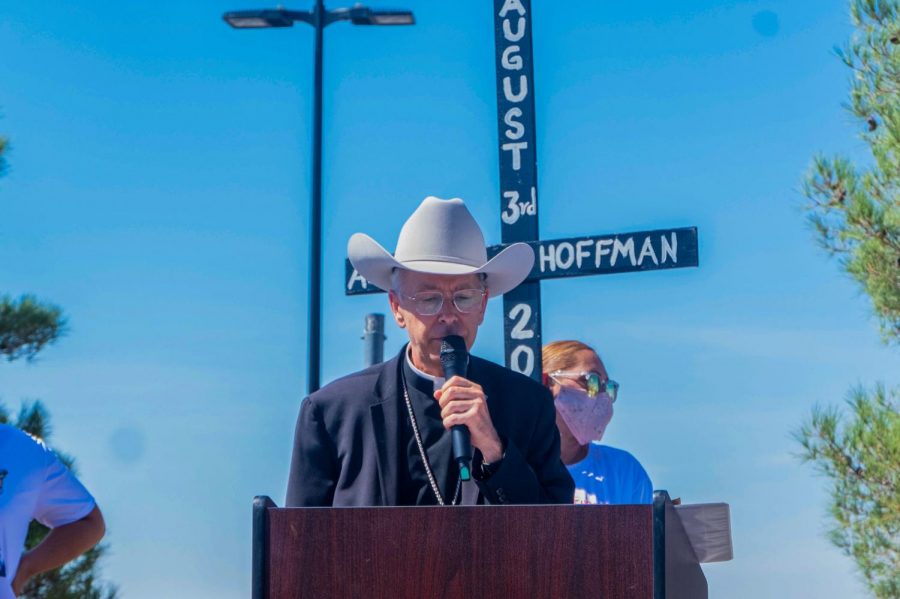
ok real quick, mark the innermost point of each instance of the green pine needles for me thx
(860, 455)
(855, 213)
(27, 325)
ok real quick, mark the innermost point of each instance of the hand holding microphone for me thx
(464, 409)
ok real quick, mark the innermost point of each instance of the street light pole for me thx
(314, 346)
(318, 18)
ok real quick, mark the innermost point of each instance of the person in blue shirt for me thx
(584, 396)
(36, 485)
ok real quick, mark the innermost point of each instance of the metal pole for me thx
(373, 340)
(315, 214)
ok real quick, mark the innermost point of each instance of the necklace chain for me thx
(424, 456)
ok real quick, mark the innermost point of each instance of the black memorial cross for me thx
(577, 256)
(519, 208)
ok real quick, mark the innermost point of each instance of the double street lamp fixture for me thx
(319, 18)
(280, 17)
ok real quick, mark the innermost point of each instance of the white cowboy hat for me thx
(441, 237)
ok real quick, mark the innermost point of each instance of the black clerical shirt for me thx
(414, 488)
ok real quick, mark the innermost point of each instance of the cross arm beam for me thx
(607, 254)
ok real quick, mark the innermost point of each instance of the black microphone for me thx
(455, 359)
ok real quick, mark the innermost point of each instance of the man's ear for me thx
(545, 379)
(395, 309)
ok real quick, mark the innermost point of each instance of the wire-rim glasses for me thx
(429, 303)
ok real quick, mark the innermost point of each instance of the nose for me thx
(448, 313)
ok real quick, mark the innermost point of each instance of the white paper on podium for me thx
(708, 526)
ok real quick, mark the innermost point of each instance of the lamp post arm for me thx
(339, 14)
(306, 16)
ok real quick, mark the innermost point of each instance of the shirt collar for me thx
(436, 381)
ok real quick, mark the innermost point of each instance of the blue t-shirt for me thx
(610, 476)
(34, 484)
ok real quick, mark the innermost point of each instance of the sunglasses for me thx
(429, 303)
(590, 382)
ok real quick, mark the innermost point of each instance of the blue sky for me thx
(158, 191)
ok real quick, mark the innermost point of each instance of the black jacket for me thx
(346, 441)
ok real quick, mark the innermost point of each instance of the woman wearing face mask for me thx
(584, 396)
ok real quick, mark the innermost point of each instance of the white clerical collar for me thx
(437, 381)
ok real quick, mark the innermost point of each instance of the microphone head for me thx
(453, 344)
(454, 356)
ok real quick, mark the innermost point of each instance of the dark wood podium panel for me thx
(465, 552)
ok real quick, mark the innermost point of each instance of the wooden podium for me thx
(558, 551)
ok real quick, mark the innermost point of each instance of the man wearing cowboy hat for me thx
(382, 436)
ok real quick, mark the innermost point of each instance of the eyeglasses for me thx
(590, 382)
(429, 303)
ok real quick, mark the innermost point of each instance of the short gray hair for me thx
(395, 279)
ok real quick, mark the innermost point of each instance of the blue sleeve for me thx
(62, 498)
(629, 483)
(643, 488)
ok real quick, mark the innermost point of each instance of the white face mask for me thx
(587, 418)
